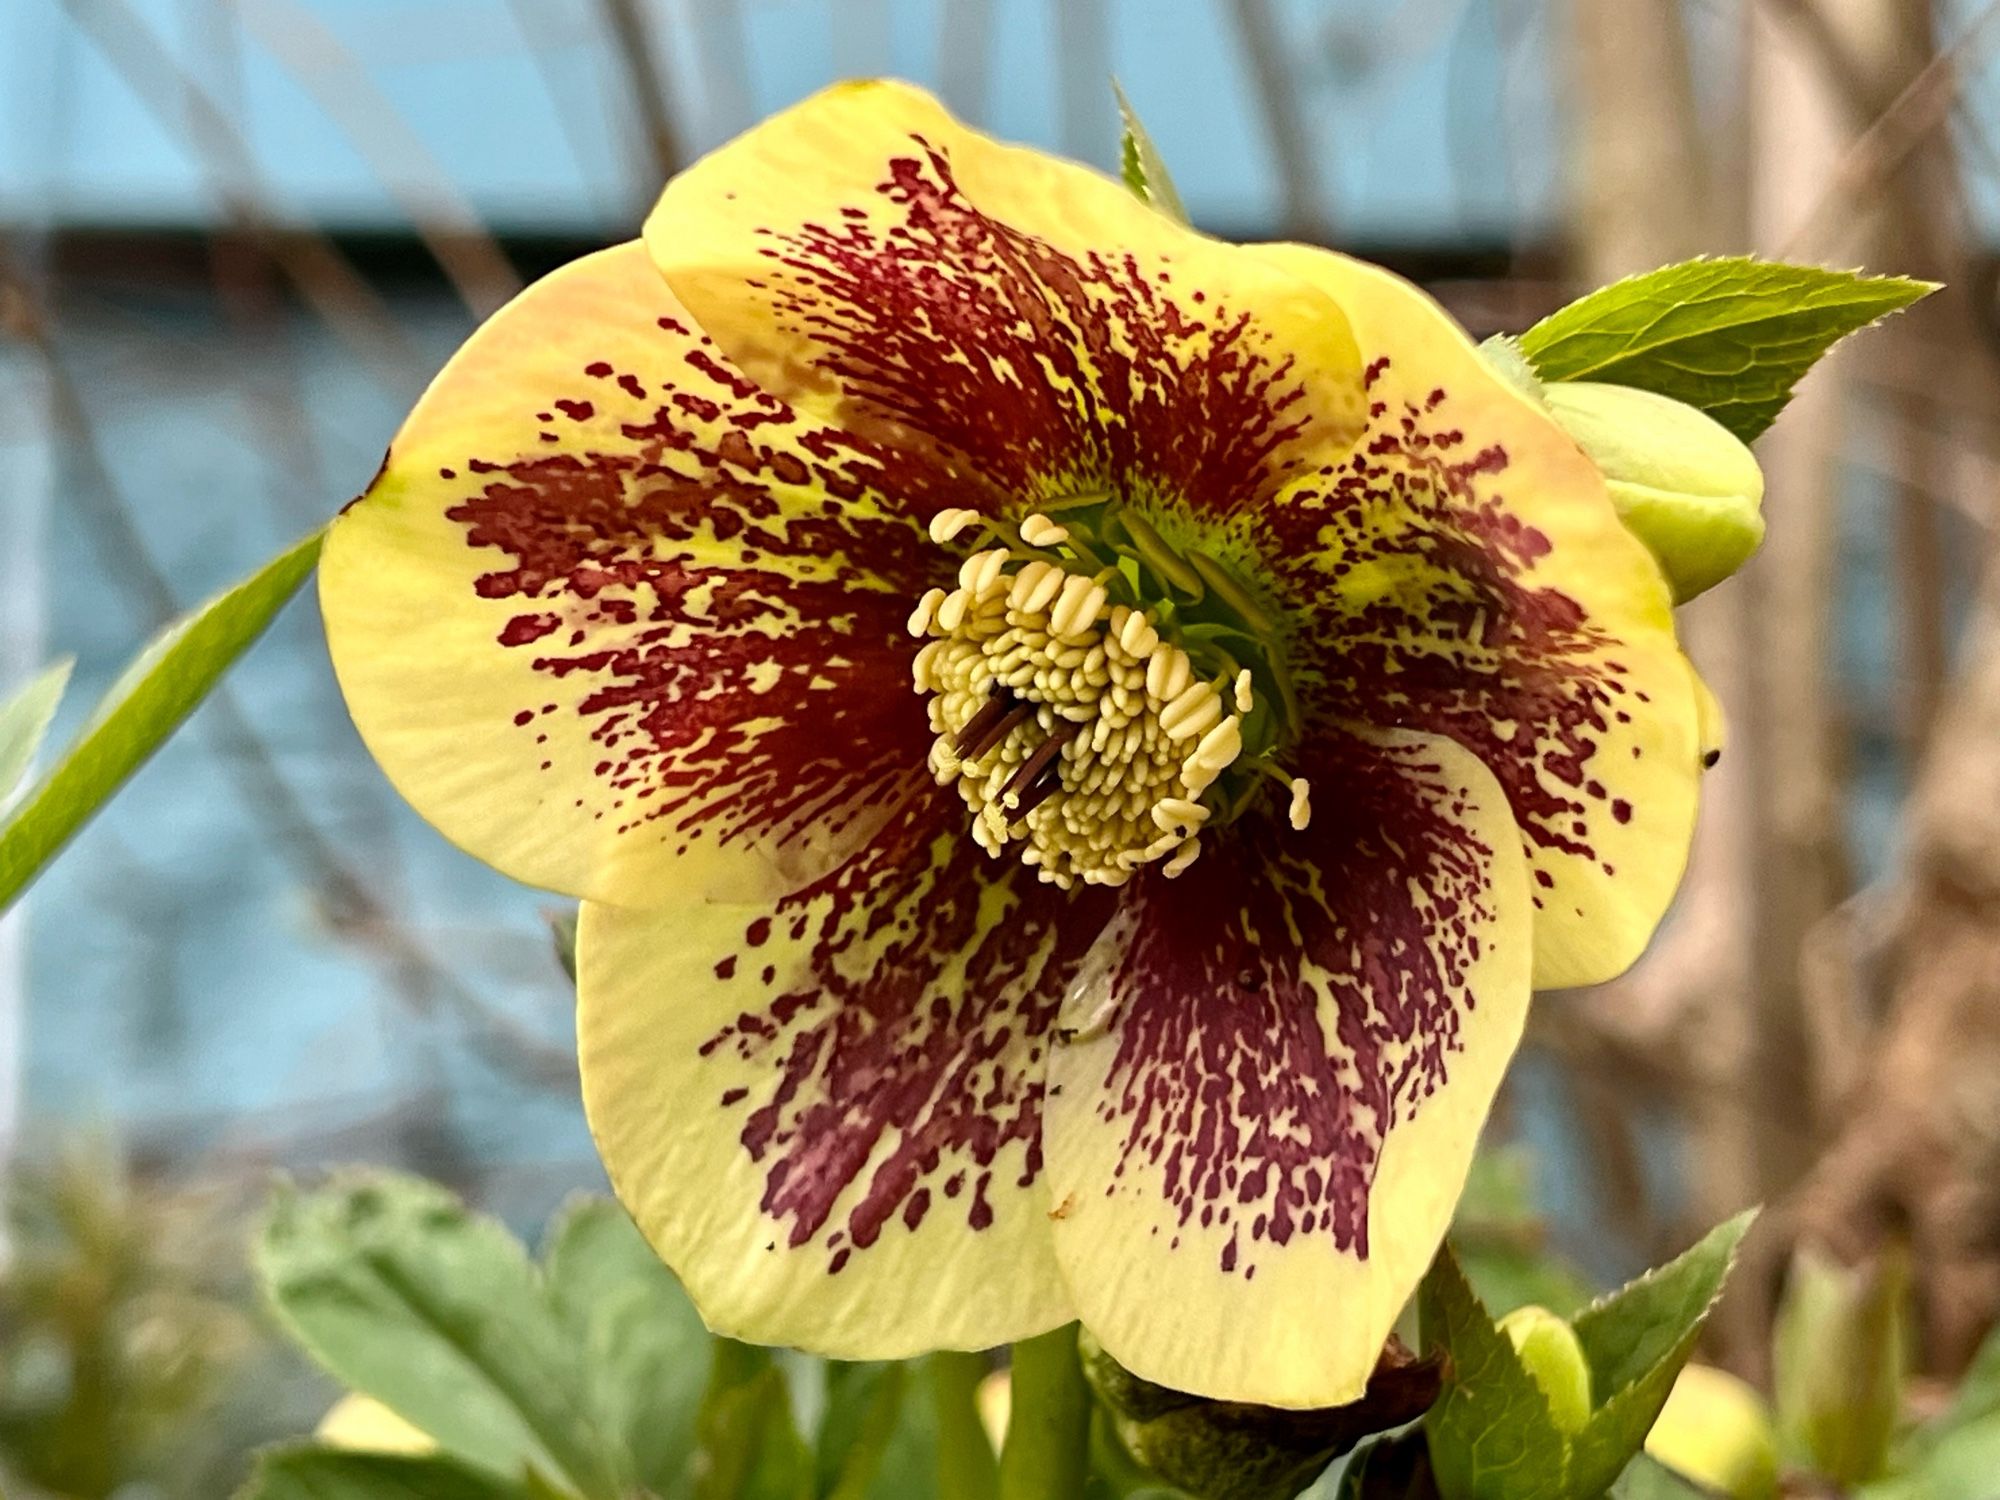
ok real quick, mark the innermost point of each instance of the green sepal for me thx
(1140, 163)
(1231, 1450)
(1730, 337)
(25, 720)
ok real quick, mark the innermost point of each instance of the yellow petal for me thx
(1280, 1064)
(826, 1116)
(1468, 575)
(619, 624)
(869, 258)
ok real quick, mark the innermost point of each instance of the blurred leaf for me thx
(1499, 1237)
(177, 669)
(1637, 1339)
(1730, 337)
(749, 1446)
(1959, 1463)
(638, 1337)
(436, 1312)
(562, 937)
(328, 1474)
(1839, 1353)
(1648, 1479)
(25, 719)
(864, 1404)
(1140, 163)
(1490, 1436)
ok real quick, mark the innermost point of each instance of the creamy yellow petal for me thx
(620, 624)
(867, 257)
(1467, 575)
(826, 1116)
(1279, 1065)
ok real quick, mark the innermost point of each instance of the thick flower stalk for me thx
(1075, 741)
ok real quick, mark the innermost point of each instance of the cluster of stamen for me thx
(1073, 727)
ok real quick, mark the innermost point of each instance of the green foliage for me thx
(161, 687)
(1956, 1456)
(1140, 164)
(1647, 1479)
(641, 1342)
(1729, 337)
(1501, 1243)
(1492, 1436)
(25, 719)
(589, 1375)
(308, 1473)
(436, 1312)
(1838, 1355)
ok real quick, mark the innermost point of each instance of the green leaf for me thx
(639, 1338)
(1490, 1435)
(1649, 1479)
(160, 689)
(1630, 1333)
(749, 1446)
(1730, 337)
(1838, 1352)
(403, 1294)
(24, 720)
(1636, 1340)
(1388, 1468)
(1140, 164)
(864, 1406)
(308, 1473)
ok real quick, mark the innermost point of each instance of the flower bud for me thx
(1548, 1348)
(1682, 482)
(1717, 1431)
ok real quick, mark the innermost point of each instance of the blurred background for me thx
(237, 236)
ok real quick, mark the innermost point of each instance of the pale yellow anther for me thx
(1220, 746)
(1039, 531)
(1192, 713)
(948, 523)
(1168, 673)
(1138, 636)
(1045, 591)
(951, 613)
(980, 571)
(1179, 813)
(925, 612)
(1244, 702)
(1187, 855)
(1073, 611)
(1301, 809)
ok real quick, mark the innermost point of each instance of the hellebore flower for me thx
(1290, 701)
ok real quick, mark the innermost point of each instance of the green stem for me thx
(1047, 1452)
(966, 1467)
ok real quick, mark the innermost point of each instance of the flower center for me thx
(1099, 697)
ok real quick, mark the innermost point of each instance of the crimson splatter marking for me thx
(1461, 643)
(890, 1065)
(1236, 1102)
(727, 583)
(942, 325)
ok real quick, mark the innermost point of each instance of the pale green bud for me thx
(1548, 1348)
(1717, 1431)
(1682, 482)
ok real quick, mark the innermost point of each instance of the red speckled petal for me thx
(1281, 1064)
(867, 257)
(1465, 574)
(826, 1116)
(623, 626)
